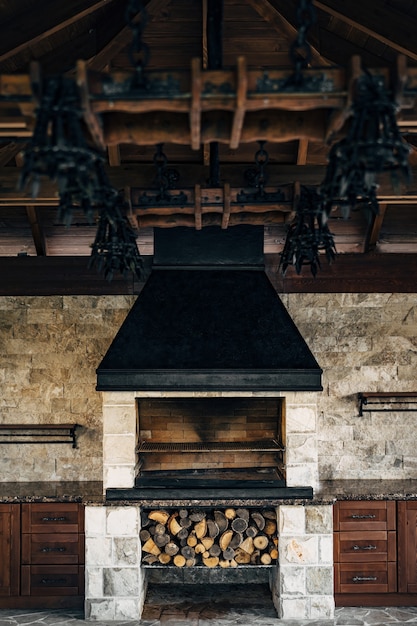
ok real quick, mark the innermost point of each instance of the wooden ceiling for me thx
(40, 255)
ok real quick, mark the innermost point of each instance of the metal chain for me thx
(256, 176)
(160, 161)
(136, 18)
(261, 160)
(300, 50)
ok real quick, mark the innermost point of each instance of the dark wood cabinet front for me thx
(9, 550)
(407, 547)
(375, 553)
(41, 555)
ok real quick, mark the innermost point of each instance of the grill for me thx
(212, 446)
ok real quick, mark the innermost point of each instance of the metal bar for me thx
(255, 446)
(35, 434)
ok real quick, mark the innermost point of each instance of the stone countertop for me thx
(367, 490)
(27, 492)
(92, 493)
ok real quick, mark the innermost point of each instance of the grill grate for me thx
(269, 445)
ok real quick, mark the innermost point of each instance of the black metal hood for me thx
(213, 326)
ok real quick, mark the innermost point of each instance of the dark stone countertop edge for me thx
(91, 493)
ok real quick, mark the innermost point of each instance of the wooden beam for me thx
(48, 276)
(103, 59)
(281, 25)
(374, 229)
(377, 20)
(42, 22)
(9, 152)
(35, 222)
(143, 175)
(350, 273)
(34, 218)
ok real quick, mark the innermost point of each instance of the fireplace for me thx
(209, 413)
(210, 443)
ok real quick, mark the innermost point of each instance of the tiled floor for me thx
(224, 608)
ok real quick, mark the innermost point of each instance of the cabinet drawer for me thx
(52, 580)
(57, 548)
(365, 578)
(357, 515)
(365, 546)
(52, 518)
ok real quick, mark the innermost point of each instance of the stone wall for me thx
(50, 348)
(364, 343)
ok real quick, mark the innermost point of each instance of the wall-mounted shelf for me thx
(38, 433)
(384, 402)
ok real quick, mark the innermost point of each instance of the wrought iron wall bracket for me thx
(386, 402)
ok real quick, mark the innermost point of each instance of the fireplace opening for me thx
(192, 602)
(210, 442)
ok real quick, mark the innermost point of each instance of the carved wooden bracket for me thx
(209, 206)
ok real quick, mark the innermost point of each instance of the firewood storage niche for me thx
(210, 443)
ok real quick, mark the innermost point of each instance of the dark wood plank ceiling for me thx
(58, 34)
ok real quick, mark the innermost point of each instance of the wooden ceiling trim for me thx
(144, 175)
(9, 152)
(102, 60)
(38, 26)
(377, 22)
(113, 153)
(350, 273)
(302, 151)
(265, 9)
(35, 222)
(374, 229)
(37, 230)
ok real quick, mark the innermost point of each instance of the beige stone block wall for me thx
(50, 348)
(364, 343)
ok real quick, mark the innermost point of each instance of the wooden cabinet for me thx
(407, 546)
(375, 553)
(365, 552)
(42, 555)
(9, 550)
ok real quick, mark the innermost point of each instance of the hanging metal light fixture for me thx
(372, 145)
(308, 237)
(59, 150)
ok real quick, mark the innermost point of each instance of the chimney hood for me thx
(208, 318)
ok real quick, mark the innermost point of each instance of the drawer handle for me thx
(54, 519)
(368, 516)
(370, 547)
(48, 549)
(364, 579)
(51, 581)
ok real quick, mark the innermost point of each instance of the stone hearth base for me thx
(301, 583)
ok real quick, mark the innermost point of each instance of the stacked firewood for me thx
(228, 537)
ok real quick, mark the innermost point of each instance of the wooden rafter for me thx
(143, 175)
(265, 9)
(42, 23)
(374, 228)
(35, 221)
(377, 21)
(103, 58)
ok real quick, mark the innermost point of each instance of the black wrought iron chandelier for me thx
(373, 145)
(63, 148)
(308, 236)
(59, 150)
